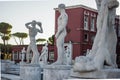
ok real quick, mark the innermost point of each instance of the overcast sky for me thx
(17, 13)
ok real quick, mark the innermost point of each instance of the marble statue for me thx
(103, 52)
(68, 54)
(61, 33)
(23, 54)
(32, 46)
(44, 54)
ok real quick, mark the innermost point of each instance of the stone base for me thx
(101, 74)
(30, 72)
(56, 72)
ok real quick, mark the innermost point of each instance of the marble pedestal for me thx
(6, 66)
(101, 74)
(30, 72)
(56, 72)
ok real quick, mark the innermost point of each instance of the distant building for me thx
(81, 29)
(16, 52)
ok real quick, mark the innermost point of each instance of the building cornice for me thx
(79, 6)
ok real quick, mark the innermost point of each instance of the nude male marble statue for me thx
(31, 26)
(61, 33)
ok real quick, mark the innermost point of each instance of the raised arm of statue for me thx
(28, 25)
(40, 25)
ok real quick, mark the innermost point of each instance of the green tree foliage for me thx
(5, 30)
(21, 36)
(6, 38)
(40, 40)
(51, 40)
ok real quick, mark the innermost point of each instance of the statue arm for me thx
(40, 25)
(60, 30)
(27, 25)
(58, 33)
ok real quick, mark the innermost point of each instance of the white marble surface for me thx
(9, 67)
(56, 72)
(68, 53)
(44, 55)
(104, 46)
(11, 77)
(99, 74)
(30, 72)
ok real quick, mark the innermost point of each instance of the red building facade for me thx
(81, 29)
(16, 52)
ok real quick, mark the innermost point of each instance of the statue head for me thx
(33, 23)
(61, 7)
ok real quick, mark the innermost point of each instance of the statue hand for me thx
(39, 23)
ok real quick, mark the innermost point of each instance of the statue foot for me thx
(58, 63)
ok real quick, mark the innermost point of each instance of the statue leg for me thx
(28, 52)
(60, 51)
(35, 58)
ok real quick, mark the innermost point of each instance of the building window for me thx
(16, 56)
(86, 22)
(85, 37)
(92, 25)
(51, 55)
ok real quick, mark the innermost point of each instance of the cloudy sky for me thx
(19, 12)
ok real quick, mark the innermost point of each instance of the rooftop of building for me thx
(85, 7)
(79, 6)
